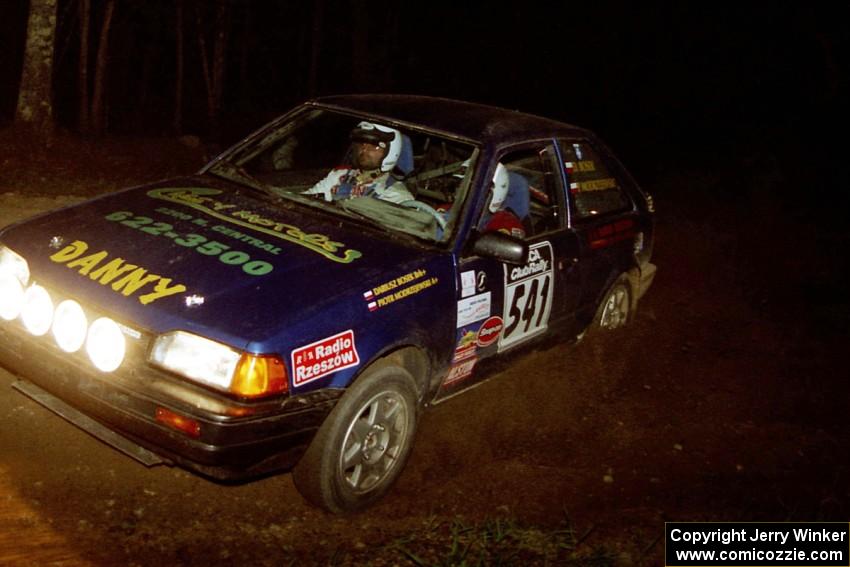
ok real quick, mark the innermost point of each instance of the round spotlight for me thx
(69, 326)
(37, 312)
(105, 344)
(11, 296)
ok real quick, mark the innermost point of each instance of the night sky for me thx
(683, 81)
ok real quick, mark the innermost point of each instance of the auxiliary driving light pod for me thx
(70, 326)
(105, 344)
(37, 311)
(15, 265)
(11, 296)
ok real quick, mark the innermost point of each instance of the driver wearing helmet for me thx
(498, 217)
(375, 151)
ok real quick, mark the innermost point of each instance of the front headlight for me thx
(15, 265)
(214, 364)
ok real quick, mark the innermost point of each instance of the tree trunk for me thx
(245, 59)
(35, 101)
(214, 77)
(177, 123)
(316, 45)
(83, 68)
(98, 108)
(222, 33)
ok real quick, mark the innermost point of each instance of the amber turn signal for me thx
(259, 375)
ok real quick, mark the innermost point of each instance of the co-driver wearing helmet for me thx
(501, 218)
(375, 152)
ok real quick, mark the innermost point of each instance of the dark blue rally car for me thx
(300, 300)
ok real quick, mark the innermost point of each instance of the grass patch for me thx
(496, 542)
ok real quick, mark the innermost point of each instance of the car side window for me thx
(594, 190)
(532, 204)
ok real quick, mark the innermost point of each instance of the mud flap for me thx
(647, 275)
(88, 425)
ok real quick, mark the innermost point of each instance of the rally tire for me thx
(361, 448)
(615, 310)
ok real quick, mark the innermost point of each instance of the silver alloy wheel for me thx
(616, 309)
(373, 441)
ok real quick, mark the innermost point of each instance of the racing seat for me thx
(517, 199)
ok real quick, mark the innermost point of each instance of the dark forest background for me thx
(761, 82)
(727, 399)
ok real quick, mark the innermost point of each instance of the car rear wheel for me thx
(615, 310)
(364, 443)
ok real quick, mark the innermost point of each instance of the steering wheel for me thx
(425, 207)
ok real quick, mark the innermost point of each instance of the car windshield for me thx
(395, 177)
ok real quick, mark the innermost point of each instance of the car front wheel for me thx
(361, 448)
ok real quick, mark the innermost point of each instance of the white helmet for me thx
(500, 188)
(380, 136)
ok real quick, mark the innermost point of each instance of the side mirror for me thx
(502, 247)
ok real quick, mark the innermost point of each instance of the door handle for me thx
(567, 263)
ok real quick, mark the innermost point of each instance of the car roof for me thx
(478, 122)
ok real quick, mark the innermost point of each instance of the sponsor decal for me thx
(467, 283)
(538, 262)
(247, 238)
(398, 282)
(467, 338)
(200, 199)
(465, 344)
(594, 185)
(473, 309)
(324, 357)
(529, 290)
(234, 234)
(579, 166)
(398, 288)
(121, 276)
(462, 353)
(489, 331)
(198, 242)
(460, 371)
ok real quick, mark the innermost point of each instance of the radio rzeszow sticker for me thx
(528, 296)
(324, 357)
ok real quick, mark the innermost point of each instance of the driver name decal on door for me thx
(528, 296)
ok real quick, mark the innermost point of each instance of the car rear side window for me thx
(593, 188)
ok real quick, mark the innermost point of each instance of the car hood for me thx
(199, 255)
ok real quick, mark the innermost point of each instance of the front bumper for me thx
(236, 439)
